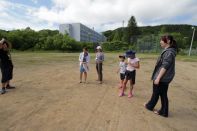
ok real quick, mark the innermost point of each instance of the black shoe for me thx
(10, 87)
(145, 105)
(3, 91)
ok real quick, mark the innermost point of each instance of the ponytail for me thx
(172, 43)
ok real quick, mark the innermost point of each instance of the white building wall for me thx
(81, 32)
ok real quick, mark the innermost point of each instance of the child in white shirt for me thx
(122, 69)
(132, 65)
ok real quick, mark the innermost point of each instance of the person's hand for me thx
(156, 82)
(132, 64)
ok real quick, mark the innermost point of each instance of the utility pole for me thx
(190, 49)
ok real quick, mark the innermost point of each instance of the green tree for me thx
(117, 36)
(132, 22)
(131, 31)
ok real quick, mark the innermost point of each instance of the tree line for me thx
(28, 39)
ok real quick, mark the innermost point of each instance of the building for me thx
(81, 33)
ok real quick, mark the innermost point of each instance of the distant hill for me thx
(182, 33)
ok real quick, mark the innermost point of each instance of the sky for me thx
(101, 15)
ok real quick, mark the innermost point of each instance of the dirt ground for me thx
(49, 97)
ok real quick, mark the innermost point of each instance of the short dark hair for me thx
(121, 56)
(85, 48)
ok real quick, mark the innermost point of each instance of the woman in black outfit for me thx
(162, 75)
(6, 66)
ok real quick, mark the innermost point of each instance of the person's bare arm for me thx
(118, 70)
(136, 65)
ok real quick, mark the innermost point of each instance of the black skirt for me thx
(7, 73)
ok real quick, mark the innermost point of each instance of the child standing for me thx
(84, 59)
(132, 65)
(122, 69)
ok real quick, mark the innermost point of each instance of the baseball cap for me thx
(129, 53)
(98, 47)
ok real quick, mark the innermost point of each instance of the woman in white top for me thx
(132, 65)
(84, 59)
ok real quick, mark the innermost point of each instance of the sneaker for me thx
(3, 91)
(130, 95)
(121, 94)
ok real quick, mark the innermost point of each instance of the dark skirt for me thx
(7, 73)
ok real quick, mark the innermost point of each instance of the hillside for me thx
(182, 33)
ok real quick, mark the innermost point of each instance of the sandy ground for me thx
(49, 97)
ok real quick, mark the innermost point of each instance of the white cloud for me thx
(101, 14)
(18, 16)
(35, 1)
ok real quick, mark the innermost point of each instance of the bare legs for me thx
(85, 76)
(124, 87)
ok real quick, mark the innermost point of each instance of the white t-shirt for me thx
(123, 67)
(132, 61)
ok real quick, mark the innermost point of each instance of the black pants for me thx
(7, 73)
(159, 90)
(99, 69)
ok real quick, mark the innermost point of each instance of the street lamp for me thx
(192, 41)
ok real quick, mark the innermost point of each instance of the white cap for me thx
(98, 47)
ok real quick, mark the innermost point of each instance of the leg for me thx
(4, 81)
(164, 100)
(154, 99)
(132, 82)
(97, 70)
(131, 89)
(9, 74)
(121, 83)
(122, 77)
(85, 76)
(81, 74)
(9, 87)
(100, 72)
(123, 88)
(3, 90)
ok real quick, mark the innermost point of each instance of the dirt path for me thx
(49, 98)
